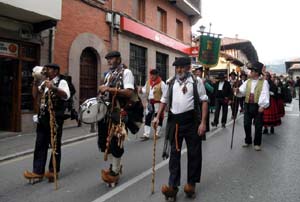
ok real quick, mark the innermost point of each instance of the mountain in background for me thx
(276, 68)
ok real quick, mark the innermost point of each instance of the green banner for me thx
(209, 50)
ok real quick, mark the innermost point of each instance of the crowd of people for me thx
(188, 97)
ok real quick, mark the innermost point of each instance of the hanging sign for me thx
(8, 49)
(209, 50)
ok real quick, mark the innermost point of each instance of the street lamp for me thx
(201, 29)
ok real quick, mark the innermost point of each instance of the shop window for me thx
(161, 65)
(26, 97)
(179, 30)
(137, 63)
(161, 20)
(28, 56)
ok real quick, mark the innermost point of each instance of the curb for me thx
(30, 151)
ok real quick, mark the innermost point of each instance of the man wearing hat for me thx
(198, 72)
(154, 88)
(257, 98)
(117, 89)
(56, 89)
(223, 96)
(185, 121)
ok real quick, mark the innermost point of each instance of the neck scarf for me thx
(155, 82)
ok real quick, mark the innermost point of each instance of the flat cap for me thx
(112, 54)
(52, 65)
(182, 61)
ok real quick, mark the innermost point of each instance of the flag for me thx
(209, 50)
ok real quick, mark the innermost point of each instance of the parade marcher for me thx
(154, 89)
(184, 95)
(280, 98)
(56, 90)
(198, 72)
(117, 89)
(223, 96)
(257, 98)
(234, 105)
(241, 99)
(271, 115)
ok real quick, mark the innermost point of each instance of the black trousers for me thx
(194, 154)
(252, 115)
(114, 149)
(149, 116)
(221, 103)
(43, 140)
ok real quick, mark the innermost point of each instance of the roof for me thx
(231, 59)
(240, 44)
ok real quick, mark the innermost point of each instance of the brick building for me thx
(25, 41)
(149, 34)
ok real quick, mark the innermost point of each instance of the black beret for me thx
(154, 71)
(256, 66)
(221, 76)
(112, 54)
(199, 68)
(232, 73)
(52, 65)
(182, 61)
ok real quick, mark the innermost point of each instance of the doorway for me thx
(8, 92)
(88, 74)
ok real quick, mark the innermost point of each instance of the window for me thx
(161, 65)
(179, 30)
(138, 10)
(161, 20)
(137, 63)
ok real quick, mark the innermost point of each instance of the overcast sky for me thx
(273, 26)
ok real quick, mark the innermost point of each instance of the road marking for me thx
(289, 107)
(292, 115)
(144, 174)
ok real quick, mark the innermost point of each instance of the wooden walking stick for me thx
(153, 160)
(53, 138)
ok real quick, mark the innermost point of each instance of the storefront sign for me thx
(8, 49)
(148, 33)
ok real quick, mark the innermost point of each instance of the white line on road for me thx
(141, 176)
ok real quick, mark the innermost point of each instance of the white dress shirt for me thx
(264, 98)
(151, 95)
(63, 85)
(183, 102)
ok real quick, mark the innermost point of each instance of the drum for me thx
(92, 110)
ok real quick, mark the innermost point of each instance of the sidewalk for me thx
(14, 145)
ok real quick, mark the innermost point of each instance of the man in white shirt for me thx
(154, 88)
(185, 121)
(118, 88)
(257, 98)
(59, 94)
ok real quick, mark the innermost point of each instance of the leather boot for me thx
(169, 192)
(32, 177)
(189, 190)
(50, 176)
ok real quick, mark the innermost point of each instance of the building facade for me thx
(25, 41)
(149, 34)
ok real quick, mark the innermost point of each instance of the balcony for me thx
(31, 11)
(189, 7)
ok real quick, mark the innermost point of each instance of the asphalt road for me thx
(237, 175)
